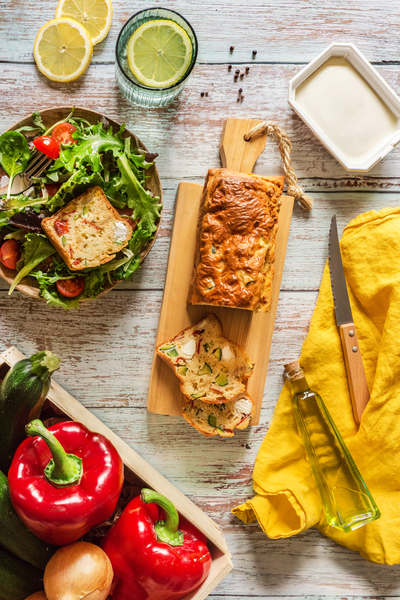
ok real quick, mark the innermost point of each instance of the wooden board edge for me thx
(152, 405)
(74, 409)
(282, 237)
(220, 567)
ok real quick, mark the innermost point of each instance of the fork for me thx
(37, 164)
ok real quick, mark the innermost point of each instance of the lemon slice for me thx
(159, 53)
(95, 15)
(62, 50)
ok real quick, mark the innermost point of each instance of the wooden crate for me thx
(144, 475)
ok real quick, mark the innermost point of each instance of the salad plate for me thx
(42, 285)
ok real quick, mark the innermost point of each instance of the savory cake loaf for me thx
(220, 419)
(88, 231)
(208, 365)
(236, 236)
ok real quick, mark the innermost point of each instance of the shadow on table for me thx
(306, 564)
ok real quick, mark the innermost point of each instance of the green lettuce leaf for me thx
(14, 155)
(20, 202)
(53, 298)
(146, 208)
(127, 270)
(36, 248)
(78, 183)
(92, 141)
(94, 283)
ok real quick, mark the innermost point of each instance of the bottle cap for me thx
(293, 365)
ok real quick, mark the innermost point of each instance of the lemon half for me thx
(95, 15)
(159, 53)
(62, 50)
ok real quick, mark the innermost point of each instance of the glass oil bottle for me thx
(346, 499)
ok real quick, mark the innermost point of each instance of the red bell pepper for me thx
(152, 559)
(64, 480)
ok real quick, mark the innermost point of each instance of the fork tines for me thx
(37, 165)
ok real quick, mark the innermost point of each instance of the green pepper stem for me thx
(167, 531)
(63, 469)
(44, 364)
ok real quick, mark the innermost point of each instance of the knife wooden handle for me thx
(355, 369)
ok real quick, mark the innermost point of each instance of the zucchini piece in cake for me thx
(220, 419)
(209, 366)
(88, 231)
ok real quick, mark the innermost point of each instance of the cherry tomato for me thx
(52, 188)
(71, 287)
(62, 134)
(10, 254)
(48, 146)
(61, 227)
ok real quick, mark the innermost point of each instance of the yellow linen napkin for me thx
(287, 500)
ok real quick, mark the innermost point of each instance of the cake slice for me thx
(220, 419)
(88, 231)
(209, 366)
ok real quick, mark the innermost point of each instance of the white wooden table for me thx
(106, 347)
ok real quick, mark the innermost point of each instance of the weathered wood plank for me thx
(107, 347)
(308, 239)
(290, 31)
(187, 133)
(217, 475)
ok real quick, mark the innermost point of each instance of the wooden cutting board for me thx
(253, 331)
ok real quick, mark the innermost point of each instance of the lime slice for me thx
(159, 53)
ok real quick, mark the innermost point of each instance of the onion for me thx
(78, 571)
(37, 596)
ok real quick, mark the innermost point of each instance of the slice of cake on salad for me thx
(88, 231)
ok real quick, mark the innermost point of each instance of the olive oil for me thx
(346, 499)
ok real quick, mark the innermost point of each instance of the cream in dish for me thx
(346, 109)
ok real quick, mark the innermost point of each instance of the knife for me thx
(357, 381)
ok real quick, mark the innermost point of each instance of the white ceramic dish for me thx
(375, 81)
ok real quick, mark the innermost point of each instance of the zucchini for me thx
(18, 580)
(182, 370)
(167, 347)
(22, 393)
(170, 350)
(212, 420)
(206, 370)
(218, 353)
(198, 394)
(222, 379)
(172, 353)
(15, 537)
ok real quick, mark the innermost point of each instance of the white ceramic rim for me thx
(377, 83)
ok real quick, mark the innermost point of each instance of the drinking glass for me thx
(135, 92)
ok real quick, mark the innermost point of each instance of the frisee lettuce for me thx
(36, 249)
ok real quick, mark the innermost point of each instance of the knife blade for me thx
(356, 378)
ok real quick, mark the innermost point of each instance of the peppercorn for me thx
(241, 97)
(254, 52)
(231, 49)
(229, 67)
(206, 94)
(237, 72)
(240, 91)
(202, 94)
(235, 78)
(247, 70)
(241, 75)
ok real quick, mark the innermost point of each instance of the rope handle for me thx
(285, 147)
